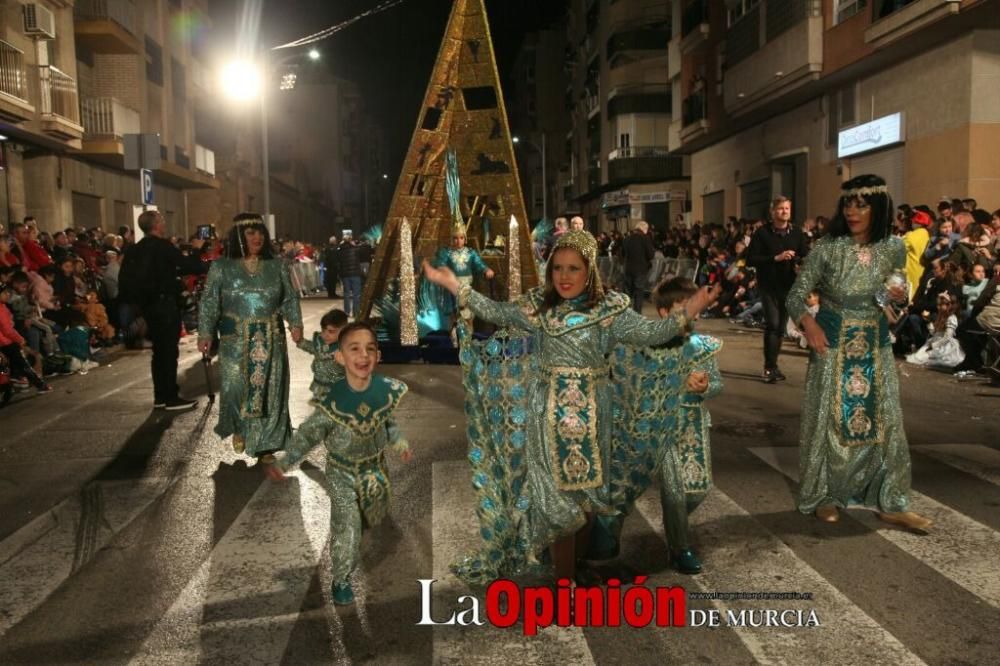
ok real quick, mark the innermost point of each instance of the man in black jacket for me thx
(775, 249)
(638, 257)
(150, 279)
(330, 262)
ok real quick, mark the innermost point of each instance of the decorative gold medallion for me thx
(857, 384)
(859, 423)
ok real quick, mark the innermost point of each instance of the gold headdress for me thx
(584, 243)
(458, 226)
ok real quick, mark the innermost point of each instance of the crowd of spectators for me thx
(952, 268)
(62, 303)
(953, 271)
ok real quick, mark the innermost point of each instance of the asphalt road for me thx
(128, 535)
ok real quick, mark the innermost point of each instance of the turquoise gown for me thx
(852, 447)
(552, 434)
(250, 312)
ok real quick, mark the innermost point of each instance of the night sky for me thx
(391, 54)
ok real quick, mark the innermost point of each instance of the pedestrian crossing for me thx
(245, 601)
(246, 595)
(960, 548)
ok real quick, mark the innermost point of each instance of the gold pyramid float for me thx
(464, 110)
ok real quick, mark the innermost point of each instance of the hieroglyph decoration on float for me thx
(464, 110)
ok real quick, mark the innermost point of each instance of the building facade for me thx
(621, 102)
(77, 77)
(794, 97)
(539, 121)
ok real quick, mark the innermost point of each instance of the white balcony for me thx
(58, 105)
(204, 160)
(14, 104)
(107, 118)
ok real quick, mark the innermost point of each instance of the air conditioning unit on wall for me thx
(39, 21)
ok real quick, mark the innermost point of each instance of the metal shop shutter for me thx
(885, 163)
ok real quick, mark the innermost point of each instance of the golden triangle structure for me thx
(464, 110)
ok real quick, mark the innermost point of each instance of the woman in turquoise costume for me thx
(248, 299)
(541, 408)
(853, 448)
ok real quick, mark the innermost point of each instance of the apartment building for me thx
(796, 96)
(324, 144)
(76, 78)
(539, 120)
(620, 99)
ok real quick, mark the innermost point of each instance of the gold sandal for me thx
(239, 444)
(908, 519)
(828, 513)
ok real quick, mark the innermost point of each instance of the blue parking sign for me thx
(146, 177)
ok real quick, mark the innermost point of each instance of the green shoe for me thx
(342, 594)
(685, 561)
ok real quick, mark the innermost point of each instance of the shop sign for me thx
(879, 133)
(625, 198)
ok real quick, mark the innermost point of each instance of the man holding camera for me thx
(150, 279)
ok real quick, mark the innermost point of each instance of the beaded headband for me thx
(865, 191)
(253, 221)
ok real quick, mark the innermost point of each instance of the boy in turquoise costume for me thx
(326, 371)
(354, 421)
(685, 459)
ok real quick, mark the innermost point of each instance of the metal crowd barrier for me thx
(667, 269)
(305, 277)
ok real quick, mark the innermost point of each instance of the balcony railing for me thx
(743, 38)
(13, 76)
(121, 12)
(784, 14)
(593, 103)
(694, 15)
(106, 117)
(181, 158)
(58, 94)
(628, 152)
(694, 108)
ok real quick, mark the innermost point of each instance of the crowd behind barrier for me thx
(62, 308)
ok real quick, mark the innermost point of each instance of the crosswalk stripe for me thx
(729, 535)
(959, 548)
(254, 580)
(455, 532)
(43, 554)
(975, 459)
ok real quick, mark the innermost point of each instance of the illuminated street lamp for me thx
(242, 81)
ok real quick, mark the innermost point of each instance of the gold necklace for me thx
(252, 264)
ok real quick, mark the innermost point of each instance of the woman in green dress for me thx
(543, 418)
(248, 299)
(853, 448)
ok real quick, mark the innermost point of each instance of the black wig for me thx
(236, 239)
(872, 190)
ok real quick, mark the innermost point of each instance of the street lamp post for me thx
(242, 80)
(545, 182)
